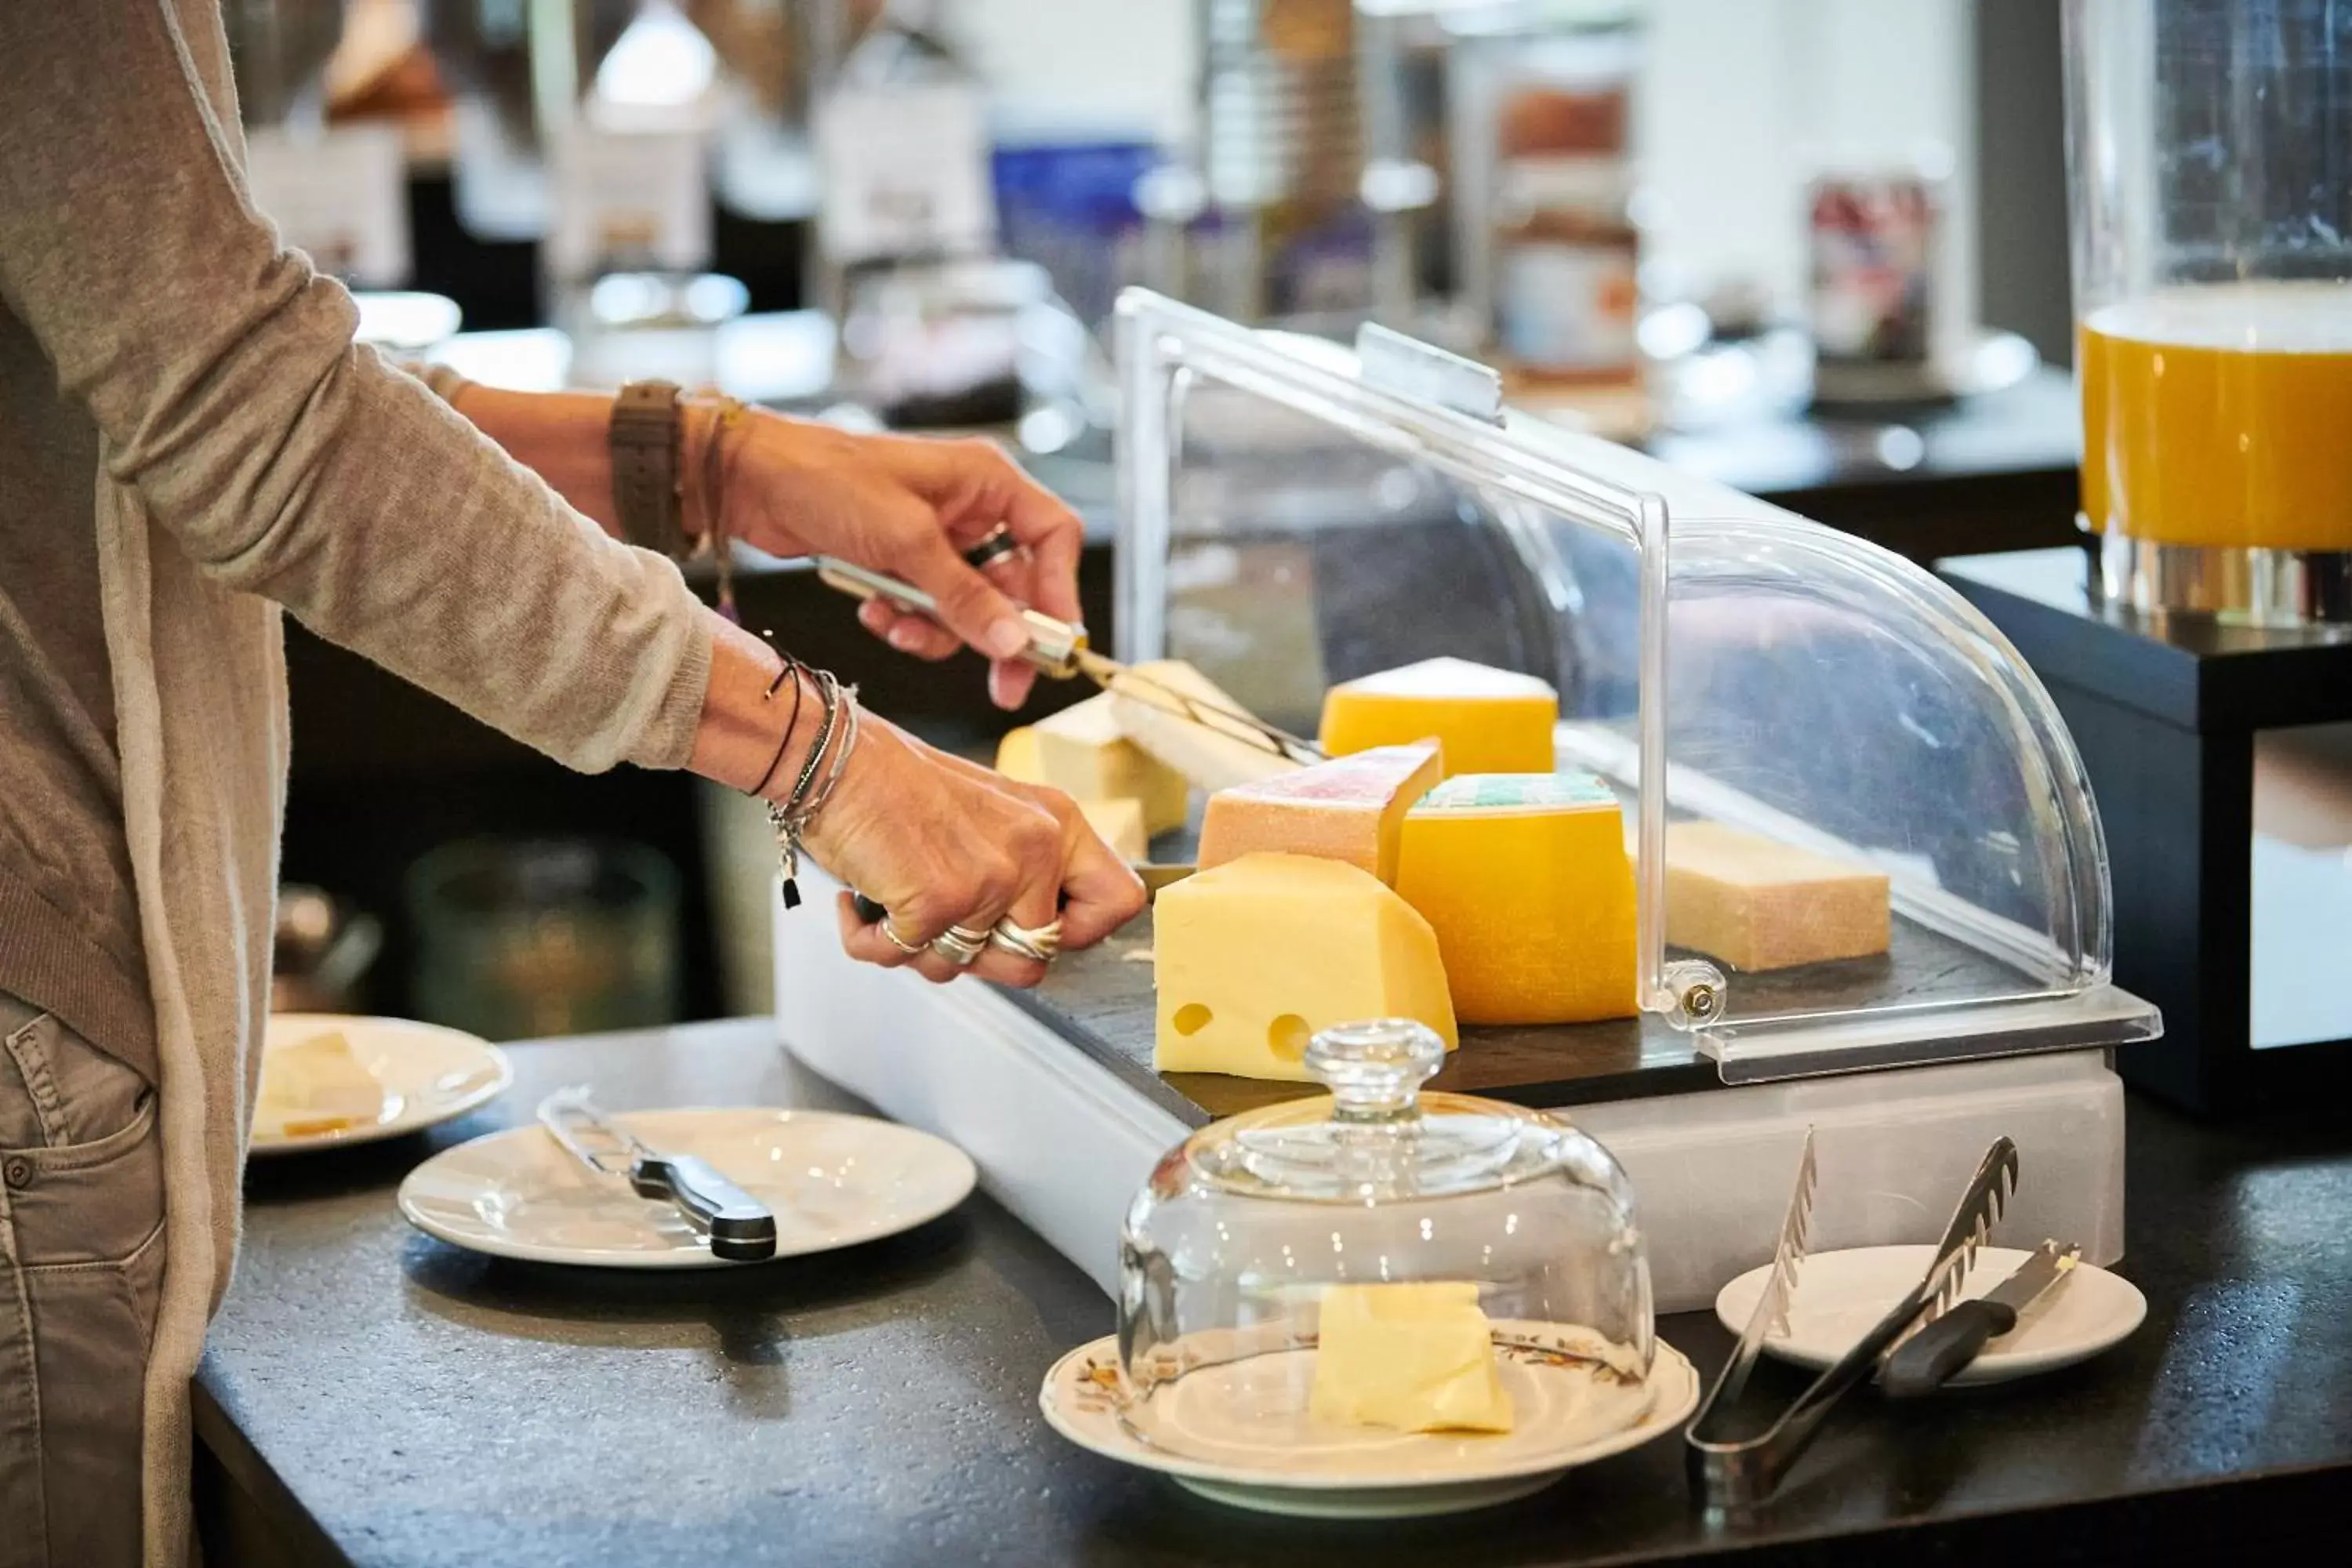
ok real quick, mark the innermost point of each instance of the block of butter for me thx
(1350, 808)
(1258, 954)
(1488, 721)
(1526, 880)
(1756, 903)
(317, 1085)
(1419, 1358)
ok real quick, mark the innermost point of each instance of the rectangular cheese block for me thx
(1350, 809)
(1082, 752)
(1756, 903)
(1488, 721)
(1119, 824)
(317, 1085)
(1212, 752)
(1417, 1358)
(1526, 880)
(1257, 955)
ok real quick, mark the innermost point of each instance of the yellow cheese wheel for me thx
(1257, 955)
(1526, 880)
(1488, 721)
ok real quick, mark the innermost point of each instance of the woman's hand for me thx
(940, 843)
(911, 507)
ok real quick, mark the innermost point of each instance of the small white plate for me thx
(832, 1180)
(429, 1075)
(1840, 1294)
(1566, 1417)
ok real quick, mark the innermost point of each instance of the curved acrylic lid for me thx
(1378, 1139)
(1810, 703)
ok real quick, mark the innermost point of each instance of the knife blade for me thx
(738, 1227)
(1930, 1358)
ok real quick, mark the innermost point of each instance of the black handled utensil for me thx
(737, 1225)
(1937, 1353)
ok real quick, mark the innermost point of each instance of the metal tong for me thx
(1737, 1457)
(738, 1227)
(1058, 649)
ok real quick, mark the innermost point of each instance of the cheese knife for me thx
(737, 1225)
(1936, 1353)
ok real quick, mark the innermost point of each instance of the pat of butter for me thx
(1419, 1358)
(318, 1084)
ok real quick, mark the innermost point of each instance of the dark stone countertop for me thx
(376, 1397)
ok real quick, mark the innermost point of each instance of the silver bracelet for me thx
(792, 816)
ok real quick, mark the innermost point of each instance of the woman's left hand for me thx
(911, 507)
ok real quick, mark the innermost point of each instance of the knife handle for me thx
(1924, 1362)
(739, 1226)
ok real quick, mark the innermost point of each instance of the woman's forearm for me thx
(749, 739)
(565, 437)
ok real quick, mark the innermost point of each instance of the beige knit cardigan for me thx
(253, 457)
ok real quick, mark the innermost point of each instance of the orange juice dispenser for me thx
(2209, 152)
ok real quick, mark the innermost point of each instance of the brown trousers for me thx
(82, 1268)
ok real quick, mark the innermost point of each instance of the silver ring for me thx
(960, 946)
(1042, 943)
(890, 933)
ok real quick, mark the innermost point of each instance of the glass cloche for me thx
(1359, 1281)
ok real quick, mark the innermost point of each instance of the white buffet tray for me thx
(1064, 1144)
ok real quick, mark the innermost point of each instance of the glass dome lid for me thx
(1775, 704)
(1350, 1278)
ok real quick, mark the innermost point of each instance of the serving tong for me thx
(1737, 1457)
(1058, 650)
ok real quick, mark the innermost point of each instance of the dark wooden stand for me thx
(2164, 712)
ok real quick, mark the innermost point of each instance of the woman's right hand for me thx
(937, 846)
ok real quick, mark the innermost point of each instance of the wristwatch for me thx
(645, 439)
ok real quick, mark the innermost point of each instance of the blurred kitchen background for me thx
(1815, 249)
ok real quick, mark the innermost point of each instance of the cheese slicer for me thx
(1058, 649)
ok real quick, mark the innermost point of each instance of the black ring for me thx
(995, 548)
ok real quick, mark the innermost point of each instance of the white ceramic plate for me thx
(429, 1074)
(832, 1180)
(1840, 1294)
(1567, 1416)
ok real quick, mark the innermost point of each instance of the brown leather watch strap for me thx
(646, 440)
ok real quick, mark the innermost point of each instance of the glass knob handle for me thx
(1375, 1069)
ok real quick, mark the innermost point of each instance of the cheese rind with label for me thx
(1526, 880)
(1756, 904)
(1488, 721)
(1257, 955)
(1350, 808)
(1415, 1357)
(1214, 753)
(1082, 752)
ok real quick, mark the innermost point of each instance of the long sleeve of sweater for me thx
(285, 460)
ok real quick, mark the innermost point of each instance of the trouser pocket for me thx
(82, 1262)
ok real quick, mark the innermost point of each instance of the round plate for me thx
(1840, 1294)
(429, 1074)
(1294, 1465)
(833, 1181)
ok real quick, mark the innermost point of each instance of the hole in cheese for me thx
(1286, 1035)
(1192, 1018)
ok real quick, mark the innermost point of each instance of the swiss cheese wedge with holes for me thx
(1350, 808)
(1526, 880)
(1257, 955)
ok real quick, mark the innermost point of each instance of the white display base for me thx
(1064, 1144)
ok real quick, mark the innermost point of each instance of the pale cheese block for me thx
(1756, 903)
(1414, 1357)
(317, 1085)
(1212, 753)
(1526, 880)
(1255, 957)
(1119, 824)
(1488, 721)
(1082, 752)
(1350, 809)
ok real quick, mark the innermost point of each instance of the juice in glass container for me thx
(2221, 416)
